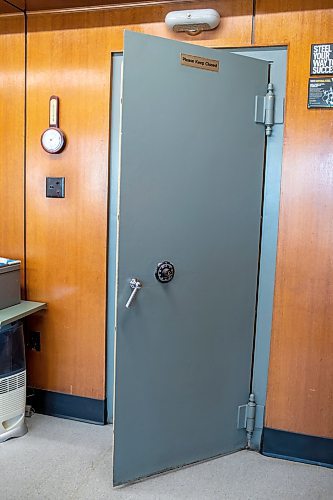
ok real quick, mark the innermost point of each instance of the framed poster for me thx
(321, 59)
(320, 93)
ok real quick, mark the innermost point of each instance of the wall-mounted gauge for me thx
(53, 140)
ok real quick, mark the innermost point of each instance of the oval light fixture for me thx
(192, 22)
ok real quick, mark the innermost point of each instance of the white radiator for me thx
(12, 406)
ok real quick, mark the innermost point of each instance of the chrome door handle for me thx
(135, 284)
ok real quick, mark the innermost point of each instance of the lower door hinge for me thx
(269, 109)
(250, 417)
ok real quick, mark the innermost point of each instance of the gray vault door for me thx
(190, 192)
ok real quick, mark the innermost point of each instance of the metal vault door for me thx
(191, 179)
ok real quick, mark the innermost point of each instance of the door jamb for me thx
(269, 235)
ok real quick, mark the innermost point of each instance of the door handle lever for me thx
(135, 284)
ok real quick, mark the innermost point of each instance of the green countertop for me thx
(14, 313)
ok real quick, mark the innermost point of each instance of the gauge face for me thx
(53, 140)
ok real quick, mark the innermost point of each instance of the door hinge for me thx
(250, 417)
(269, 109)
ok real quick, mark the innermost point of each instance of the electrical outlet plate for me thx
(33, 341)
(55, 187)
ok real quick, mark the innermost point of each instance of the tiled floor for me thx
(63, 459)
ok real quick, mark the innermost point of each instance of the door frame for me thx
(267, 261)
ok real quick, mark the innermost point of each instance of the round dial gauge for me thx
(53, 140)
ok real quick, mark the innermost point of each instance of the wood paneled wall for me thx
(69, 54)
(67, 238)
(12, 89)
(300, 391)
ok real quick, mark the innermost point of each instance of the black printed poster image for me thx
(322, 59)
(327, 96)
(320, 93)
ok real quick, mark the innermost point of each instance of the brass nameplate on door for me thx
(200, 62)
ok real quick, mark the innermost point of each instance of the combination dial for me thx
(165, 272)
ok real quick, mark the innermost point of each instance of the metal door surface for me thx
(190, 192)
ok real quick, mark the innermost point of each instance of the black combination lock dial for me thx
(165, 272)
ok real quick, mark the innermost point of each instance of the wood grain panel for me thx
(20, 4)
(7, 8)
(70, 55)
(12, 89)
(234, 29)
(300, 390)
(283, 6)
(67, 238)
(37, 5)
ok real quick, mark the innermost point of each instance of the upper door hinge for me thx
(250, 417)
(269, 109)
